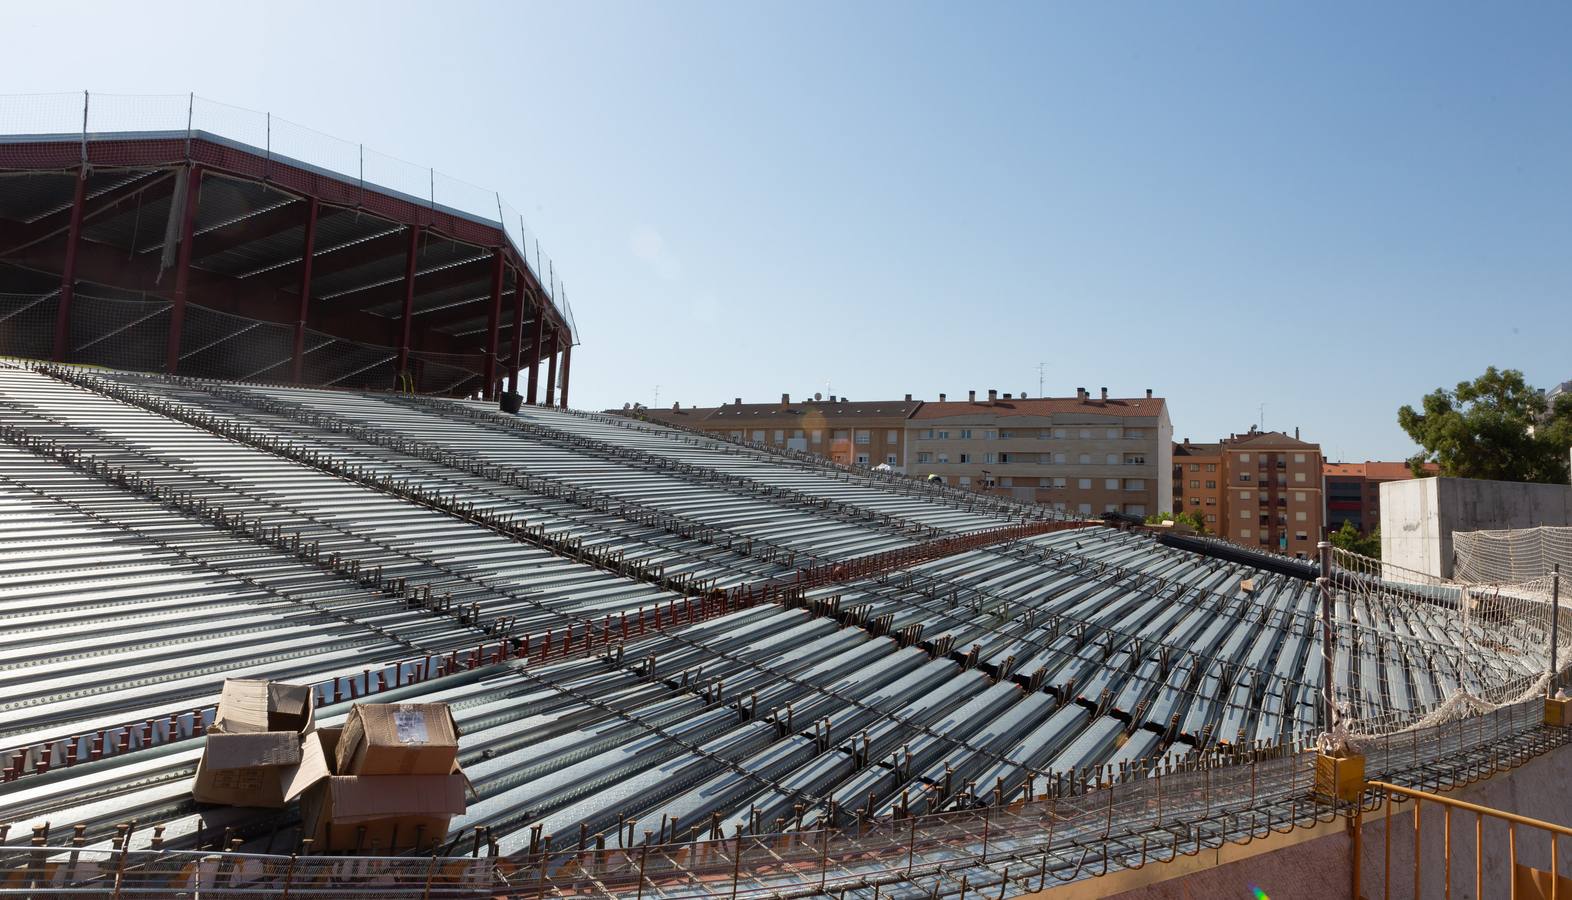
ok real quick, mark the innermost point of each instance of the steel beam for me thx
(551, 371)
(305, 291)
(411, 256)
(68, 269)
(518, 330)
(567, 357)
(535, 336)
(493, 318)
(177, 312)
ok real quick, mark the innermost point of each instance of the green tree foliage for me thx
(1349, 538)
(1496, 426)
(1192, 519)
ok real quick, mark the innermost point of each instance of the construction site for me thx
(664, 663)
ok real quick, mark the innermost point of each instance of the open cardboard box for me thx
(385, 814)
(397, 739)
(254, 743)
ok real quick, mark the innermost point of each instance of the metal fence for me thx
(104, 119)
(1081, 826)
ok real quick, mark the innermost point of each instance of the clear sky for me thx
(1329, 209)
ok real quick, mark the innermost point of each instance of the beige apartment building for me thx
(1082, 454)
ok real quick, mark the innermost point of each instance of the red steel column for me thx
(298, 360)
(68, 271)
(493, 319)
(177, 312)
(410, 258)
(567, 357)
(536, 335)
(518, 330)
(551, 370)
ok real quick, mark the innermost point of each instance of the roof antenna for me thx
(1261, 424)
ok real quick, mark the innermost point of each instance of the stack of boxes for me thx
(388, 781)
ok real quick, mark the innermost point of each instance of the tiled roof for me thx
(1045, 406)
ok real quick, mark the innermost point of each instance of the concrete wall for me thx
(1419, 516)
(1315, 864)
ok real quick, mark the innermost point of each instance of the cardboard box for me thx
(254, 744)
(398, 739)
(364, 813)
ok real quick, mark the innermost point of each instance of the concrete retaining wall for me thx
(1419, 516)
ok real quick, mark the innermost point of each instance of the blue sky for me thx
(1326, 208)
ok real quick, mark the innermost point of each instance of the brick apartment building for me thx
(1353, 491)
(866, 433)
(1260, 489)
(1198, 481)
(1081, 454)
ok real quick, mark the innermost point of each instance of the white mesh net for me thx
(1512, 555)
(1412, 650)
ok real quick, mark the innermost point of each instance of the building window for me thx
(944, 435)
(1300, 536)
(1135, 459)
(1244, 513)
(1059, 433)
(1244, 495)
(889, 458)
(1299, 516)
(990, 435)
(924, 458)
(1244, 532)
(1299, 496)
(1195, 467)
(1045, 482)
(1058, 482)
(1135, 509)
(1084, 484)
(1006, 435)
(796, 434)
(1111, 484)
(864, 436)
(818, 436)
(1211, 467)
(1084, 509)
(1211, 501)
(1044, 434)
(862, 459)
(758, 437)
(1113, 434)
(1244, 476)
(926, 434)
(1059, 458)
(1244, 457)
(1135, 484)
(1110, 507)
(1007, 482)
(989, 458)
(1086, 459)
(965, 458)
(1211, 517)
(1194, 484)
(1299, 457)
(780, 436)
(1059, 505)
(944, 457)
(966, 481)
(1086, 434)
(1299, 476)
(1113, 459)
(966, 434)
(839, 434)
(1195, 501)
(892, 436)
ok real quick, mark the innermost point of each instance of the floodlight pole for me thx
(1324, 582)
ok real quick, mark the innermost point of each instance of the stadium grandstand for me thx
(273, 410)
(681, 666)
(181, 235)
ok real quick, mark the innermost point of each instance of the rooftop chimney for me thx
(1080, 393)
(1148, 393)
(1296, 432)
(992, 395)
(1105, 393)
(676, 407)
(1006, 396)
(1187, 442)
(971, 396)
(785, 399)
(738, 401)
(941, 398)
(908, 398)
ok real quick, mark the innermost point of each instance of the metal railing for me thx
(104, 119)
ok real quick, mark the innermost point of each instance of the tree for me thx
(1192, 519)
(1496, 426)
(1349, 538)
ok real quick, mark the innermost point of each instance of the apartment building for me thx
(1198, 479)
(1272, 497)
(866, 433)
(1353, 491)
(1085, 454)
